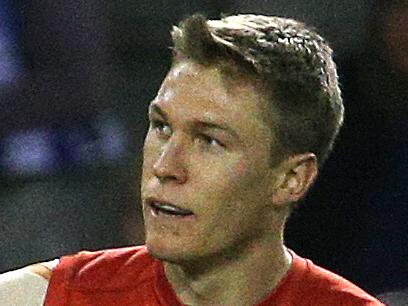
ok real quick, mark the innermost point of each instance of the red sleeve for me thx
(331, 289)
(309, 285)
(56, 291)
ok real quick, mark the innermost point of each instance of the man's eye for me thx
(161, 128)
(211, 140)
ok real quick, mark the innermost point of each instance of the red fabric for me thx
(130, 276)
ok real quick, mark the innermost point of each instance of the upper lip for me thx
(149, 200)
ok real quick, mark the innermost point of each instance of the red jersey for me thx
(130, 276)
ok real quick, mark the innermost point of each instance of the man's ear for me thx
(295, 177)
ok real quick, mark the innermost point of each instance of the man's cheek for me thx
(237, 171)
(222, 184)
(151, 152)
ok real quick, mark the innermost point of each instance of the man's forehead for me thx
(165, 94)
(190, 70)
(194, 85)
(208, 82)
(165, 110)
(185, 67)
(196, 82)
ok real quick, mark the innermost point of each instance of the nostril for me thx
(162, 179)
(167, 175)
(165, 172)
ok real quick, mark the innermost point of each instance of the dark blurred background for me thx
(75, 81)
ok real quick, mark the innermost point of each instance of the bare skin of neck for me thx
(253, 274)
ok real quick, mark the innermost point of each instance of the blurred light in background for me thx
(10, 62)
(112, 137)
(28, 153)
(41, 151)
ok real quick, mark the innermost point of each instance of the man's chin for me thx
(172, 254)
(165, 254)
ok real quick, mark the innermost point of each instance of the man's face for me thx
(207, 156)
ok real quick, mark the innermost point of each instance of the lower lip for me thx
(158, 214)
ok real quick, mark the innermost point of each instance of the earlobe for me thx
(300, 172)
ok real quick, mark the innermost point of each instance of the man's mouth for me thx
(167, 209)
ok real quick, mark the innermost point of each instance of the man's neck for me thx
(246, 280)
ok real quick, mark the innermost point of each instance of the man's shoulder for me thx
(107, 269)
(24, 286)
(395, 298)
(101, 257)
(330, 288)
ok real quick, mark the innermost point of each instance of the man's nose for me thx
(170, 166)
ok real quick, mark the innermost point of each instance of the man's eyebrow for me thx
(156, 108)
(213, 125)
